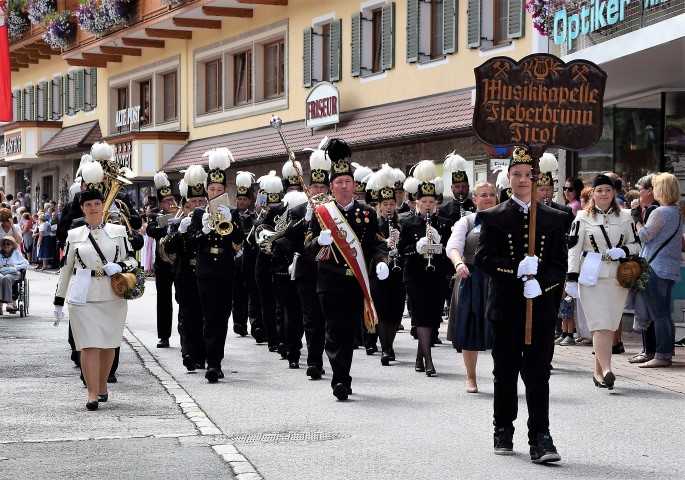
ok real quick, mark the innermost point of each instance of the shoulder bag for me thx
(129, 285)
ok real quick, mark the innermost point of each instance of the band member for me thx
(502, 184)
(219, 239)
(388, 295)
(502, 254)
(185, 247)
(349, 239)
(422, 241)
(164, 274)
(360, 174)
(400, 196)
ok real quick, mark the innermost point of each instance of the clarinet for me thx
(393, 233)
(429, 235)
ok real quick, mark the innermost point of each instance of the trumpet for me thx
(430, 248)
(393, 237)
(218, 222)
(462, 212)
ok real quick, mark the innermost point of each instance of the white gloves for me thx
(325, 238)
(58, 313)
(436, 235)
(206, 223)
(531, 289)
(572, 289)
(310, 212)
(382, 271)
(528, 266)
(239, 253)
(185, 223)
(225, 210)
(420, 244)
(112, 268)
(616, 253)
(291, 269)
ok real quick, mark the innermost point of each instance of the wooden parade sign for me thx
(538, 102)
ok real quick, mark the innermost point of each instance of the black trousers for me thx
(312, 319)
(164, 279)
(267, 298)
(240, 298)
(216, 296)
(511, 357)
(341, 311)
(254, 307)
(293, 323)
(190, 319)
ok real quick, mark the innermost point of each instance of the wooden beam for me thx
(24, 58)
(197, 23)
(104, 57)
(227, 12)
(78, 62)
(164, 33)
(265, 2)
(142, 42)
(135, 52)
(18, 64)
(14, 69)
(37, 55)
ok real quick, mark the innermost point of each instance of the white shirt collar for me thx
(346, 207)
(524, 206)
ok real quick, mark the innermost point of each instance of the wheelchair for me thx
(20, 292)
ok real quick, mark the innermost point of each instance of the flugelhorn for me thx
(218, 222)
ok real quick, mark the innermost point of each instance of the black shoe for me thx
(618, 349)
(75, 357)
(112, 379)
(400, 327)
(371, 350)
(436, 341)
(273, 348)
(430, 372)
(221, 373)
(294, 364)
(189, 363)
(200, 366)
(609, 380)
(419, 367)
(680, 343)
(258, 335)
(240, 329)
(544, 451)
(598, 384)
(163, 343)
(103, 398)
(92, 405)
(412, 332)
(282, 350)
(385, 359)
(212, 375)
(504, 441)
(341, 391)
(391, 352)
(315, 372)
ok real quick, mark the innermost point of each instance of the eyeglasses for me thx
(7, 244)
(568, 189)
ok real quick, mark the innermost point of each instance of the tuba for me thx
(167, 257)
(218, 222)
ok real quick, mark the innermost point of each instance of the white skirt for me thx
(98, 324)
(603, 304)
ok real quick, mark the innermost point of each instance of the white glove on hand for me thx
(325, 238)
(572, 289)
(310, 212)
(206, 223)
(382, 271)
(531, 289)
(436, 235)
(112, 268)
(185, 223)
(58, 313)
(225, 210)
(239, 253)
(420, 244)
(616, 253)
(291, 269)
(528, 266)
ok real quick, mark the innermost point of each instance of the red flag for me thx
(5, 76)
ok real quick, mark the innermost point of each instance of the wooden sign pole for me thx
(532, 223)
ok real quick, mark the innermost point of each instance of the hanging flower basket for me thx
(97, 17)
(539, 11)
(17, 19)
(58, 31)
(172, 3)
(38, 10)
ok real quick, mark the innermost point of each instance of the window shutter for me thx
(16, 104)
(516, 20)
(45, 100)
(60, 97)
(388, 34)
(307, 58)
(66, 95)
(335, 66)
(30, 92)
(412, 31)
(356, 45)
(93, 100)
(36, 102)
(473, 24)
(79, 90)
(21, 105)
(449, 26)
(49, 100)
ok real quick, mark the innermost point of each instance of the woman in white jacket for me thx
(601, 235)
(96, 314)
(12, 262)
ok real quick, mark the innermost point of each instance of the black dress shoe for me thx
(163, 343)
(341, 391)
(609, 380)
(200, 366)
(430, 372)
(598, 384)
(680, 343)
(294, 364)
(212, 375)
(391, 352)
(258, 335)
(240, 329)
(273, 348)
(112, 379)
(315, 372)
(400, 327)
(419, 367)
(412, 332)
(282, 349)
(385, 359)
(103, 398)
(92, 405)
(221, 373)
(371, 350)
(436, 341)
(618, 349)
(188, 363)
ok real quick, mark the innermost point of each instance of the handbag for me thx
(629, 269)
(129, 285)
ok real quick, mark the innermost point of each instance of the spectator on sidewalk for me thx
(45, 243)
(7, 225)
(12, 262)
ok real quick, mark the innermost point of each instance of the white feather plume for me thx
(294, 198)
(454, 163)
(195, 175)
(92, 172)
(183, 188)
(548, 163)
(411, 185)
(384, 177)
(75, 188)
(439, 185)
(85, 158)
(424, 171)
(360, 172)
(101, 151)
(270, 183)
(318, 160)
(126, 172)
(219, 159)
(502, 179)
(244, 179)
(399, 174)
(289, 169)
(161, 180)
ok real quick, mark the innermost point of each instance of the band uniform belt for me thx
(94, 273)
(334, 268)
(605, 257)
(213, 250)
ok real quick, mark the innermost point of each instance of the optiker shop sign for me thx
(593, 16)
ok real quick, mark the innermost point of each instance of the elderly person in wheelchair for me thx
(12, 262)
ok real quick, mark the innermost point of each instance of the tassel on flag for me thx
(5, 75)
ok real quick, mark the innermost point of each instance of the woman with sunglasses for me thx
(12, 262)
(572, 189)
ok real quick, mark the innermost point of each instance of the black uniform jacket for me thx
(453, 208)
(215, 252)
(502, 245)
(567, 210)
(292, 242)
(413, 229)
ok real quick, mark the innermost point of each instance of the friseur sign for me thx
(539, 102)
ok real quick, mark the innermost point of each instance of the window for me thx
(47, 188)
(122, 104)
(322, 53)
(373, 39)
(213, 86)
(242, 78)
(501, 19)
(274, 69)
(42, 102)
(437, 30)
(145, 91)
(56, 104)
(170, 95)
(431, 29)
(326, 52)
(494, 22)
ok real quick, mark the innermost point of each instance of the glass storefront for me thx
(674, 136)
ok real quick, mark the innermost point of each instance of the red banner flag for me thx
(5, 75)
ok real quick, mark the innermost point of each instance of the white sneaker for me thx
(559, 339)
(567, 341)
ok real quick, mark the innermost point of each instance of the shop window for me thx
(145, 101)
(213, 90)
(373, 39)
(122, 104)
(170, 97)
(322, 52)
(274, 69)
(491, 23)
(242, 78)
(431, 29)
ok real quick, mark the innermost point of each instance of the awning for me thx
(387, 124)
(73, 139)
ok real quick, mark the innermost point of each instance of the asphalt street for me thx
(267, 421)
